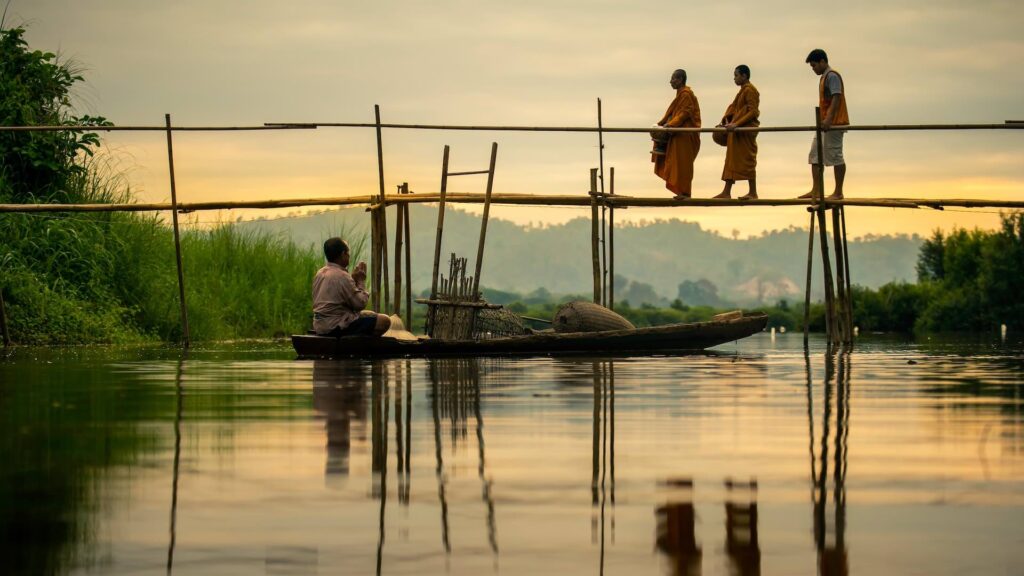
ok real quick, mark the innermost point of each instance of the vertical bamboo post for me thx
(437, 240)
(826, 262)
(807, 295)
(381, 216)
(483, 222)
(3, 321)
(603, 245)
(186, 338)
(846, 264)
(374, 260)
(611, 245)
(408, 261)
(593, 236)
(842, 323)
(399, 219)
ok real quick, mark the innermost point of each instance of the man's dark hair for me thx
(682, 73)
(744, 69)
(334, 248)
(817, 55)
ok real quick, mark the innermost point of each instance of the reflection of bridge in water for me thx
(456, 398)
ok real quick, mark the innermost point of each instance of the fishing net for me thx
(498, 323)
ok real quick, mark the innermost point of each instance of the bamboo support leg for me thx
(807, 295)
(383, 211)
(846, 264)
(826, 263)
(374, 260)
(408, 263)
(431, 311)
(595, 260)
(396, 308)
(186, 338)
(611, 244)
(842, 324)
(483, 221)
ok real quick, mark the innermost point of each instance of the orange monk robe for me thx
(676, 166)
(741, 149)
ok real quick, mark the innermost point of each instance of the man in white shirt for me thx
(339, 297)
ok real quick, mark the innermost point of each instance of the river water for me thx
(754, 458)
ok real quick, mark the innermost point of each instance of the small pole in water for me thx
(3, 321)
(610, 287)
(1002, 331)
(595, 258)
(186, 339)
(773, 333)
(856, 331)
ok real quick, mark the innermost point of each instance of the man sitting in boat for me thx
(339, 297)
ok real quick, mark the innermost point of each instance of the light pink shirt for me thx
(337, 298)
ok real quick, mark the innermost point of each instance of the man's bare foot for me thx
(837, 195)
(807, 195)
(723, 195)
(748, 196)
(682, 197)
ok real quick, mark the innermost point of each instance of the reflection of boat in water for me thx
(672, 338)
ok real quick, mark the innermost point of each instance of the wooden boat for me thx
(668, 339)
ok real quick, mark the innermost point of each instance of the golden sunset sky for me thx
(215, 62)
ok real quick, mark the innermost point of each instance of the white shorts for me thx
(833, 149)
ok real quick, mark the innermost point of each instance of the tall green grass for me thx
(111, 278)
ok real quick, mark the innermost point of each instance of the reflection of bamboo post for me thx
(3, 321)
(437, 241)
(179, 408)
(807, 295)
(399, 229)
(186, 339)
(483, 222)
(408, 262)
(593, 236)
(826, 262)
(611, 244)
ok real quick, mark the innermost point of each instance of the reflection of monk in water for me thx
(677, 537)
(339, 395)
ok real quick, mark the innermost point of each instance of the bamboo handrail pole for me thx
(408, 262)
(85, 128)
(437, 240)
(644, 129)
(186, 342)
(595, 260)
(483, 222)
(513, 199)
(810, 264)
(396, 308)
(604, 207)
(611, 243)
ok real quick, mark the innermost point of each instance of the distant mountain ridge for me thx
(662, 253)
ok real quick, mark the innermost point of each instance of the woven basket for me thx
(580, 316)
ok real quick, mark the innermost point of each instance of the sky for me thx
(215, 62)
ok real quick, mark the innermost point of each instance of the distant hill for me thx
(663, 254)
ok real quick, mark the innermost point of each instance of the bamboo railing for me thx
(839, 312)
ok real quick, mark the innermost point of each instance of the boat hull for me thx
(669, 339)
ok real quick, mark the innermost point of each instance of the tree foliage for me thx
(35, 90)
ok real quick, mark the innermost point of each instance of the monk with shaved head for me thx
(741, 147)
(673, 160)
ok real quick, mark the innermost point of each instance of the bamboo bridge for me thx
(838, 305)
